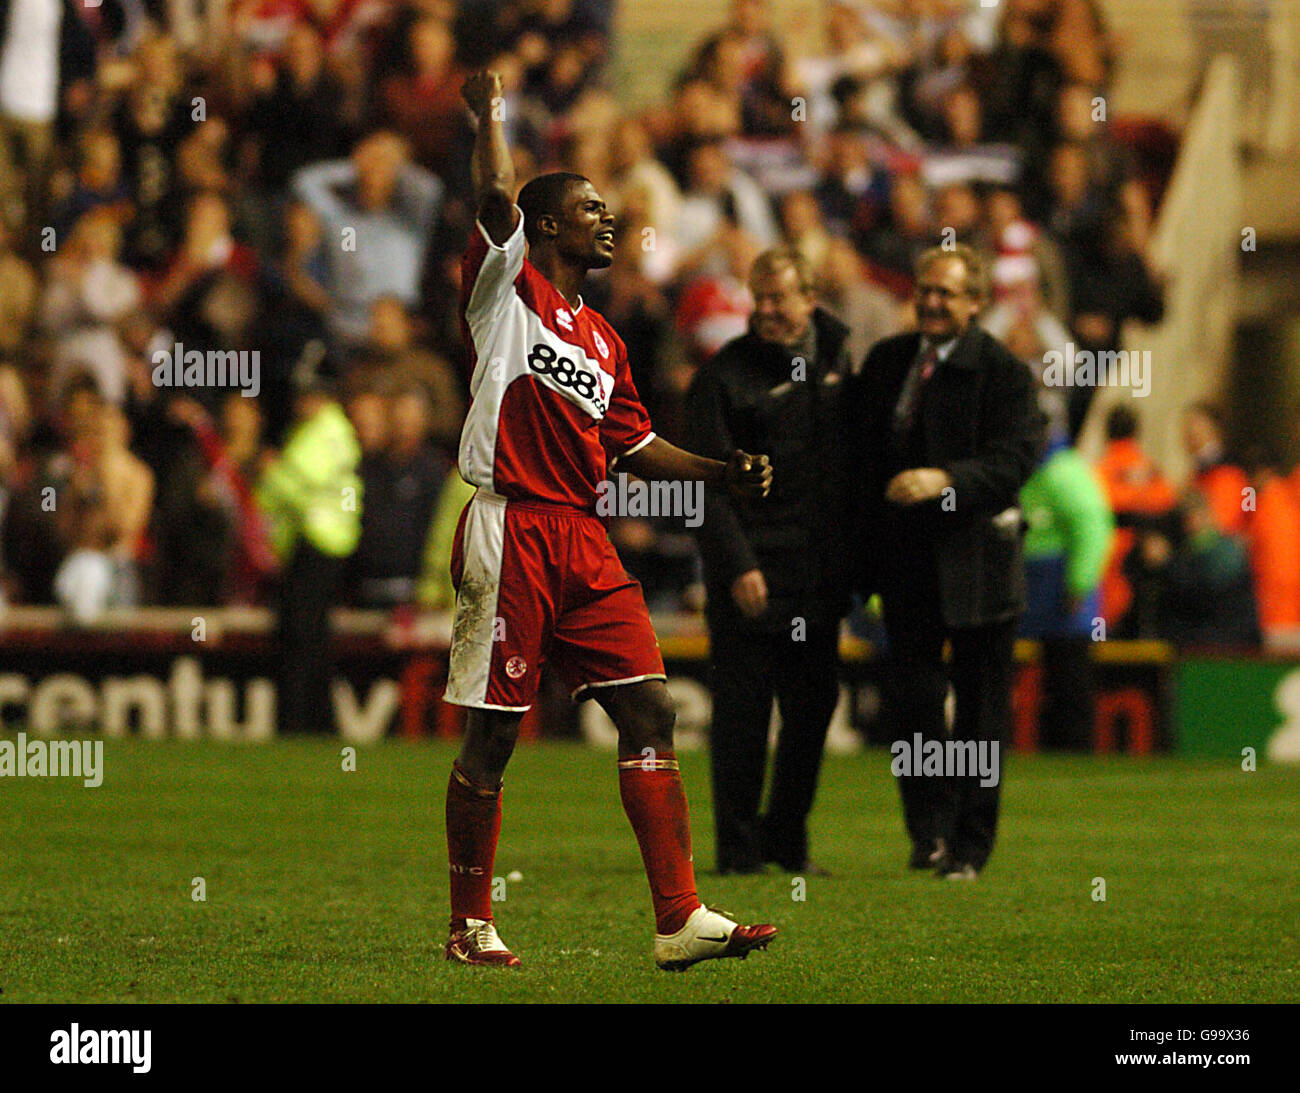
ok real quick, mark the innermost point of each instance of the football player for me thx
(553, 410)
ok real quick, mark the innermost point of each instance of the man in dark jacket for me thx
(946, 423)
(778, 571)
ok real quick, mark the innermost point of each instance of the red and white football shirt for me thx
(552, 398)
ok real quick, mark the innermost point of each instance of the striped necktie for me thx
(922, 369)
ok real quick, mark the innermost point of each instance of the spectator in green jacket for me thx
(1066, 548)
(311, 495)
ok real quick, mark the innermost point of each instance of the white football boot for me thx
(709, 935)
(477, 942)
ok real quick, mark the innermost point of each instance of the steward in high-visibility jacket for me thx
(1273, 536)
(1140, 497)
(313, 489)
(312, 499)
(1070, 527)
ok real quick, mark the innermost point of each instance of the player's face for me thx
(782, 309)
(944, 303)
(586, 226)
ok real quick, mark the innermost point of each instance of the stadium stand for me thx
(259, 186)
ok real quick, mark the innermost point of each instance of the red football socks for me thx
(655, 803)
(473, 824)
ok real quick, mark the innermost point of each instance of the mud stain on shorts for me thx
(473, 601)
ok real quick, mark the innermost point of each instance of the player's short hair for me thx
(775, 259)
(544, 196)
(977, 277)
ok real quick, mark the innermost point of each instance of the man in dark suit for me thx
(947, 423)
(777, 573)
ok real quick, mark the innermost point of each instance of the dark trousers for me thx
(1066, 715)
(749, 670)
(956, 809)
(308, 587)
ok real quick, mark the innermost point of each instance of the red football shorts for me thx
(540, 583)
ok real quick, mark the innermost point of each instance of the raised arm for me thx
(491, 167)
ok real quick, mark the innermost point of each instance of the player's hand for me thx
(481, 90)
(917, 485)
(748, 475)
(750, 593)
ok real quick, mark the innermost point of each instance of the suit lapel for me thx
(965, 354)
(902, 364)
(950, 401)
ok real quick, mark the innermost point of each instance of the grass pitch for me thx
(326, 885)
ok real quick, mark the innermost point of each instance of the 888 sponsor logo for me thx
(545, 361)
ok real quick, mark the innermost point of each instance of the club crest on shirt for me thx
(600, 344)
(563, 317)
(516, 666)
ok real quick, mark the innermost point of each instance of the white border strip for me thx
(615, 683)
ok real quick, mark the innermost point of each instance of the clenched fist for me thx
(748, 475)
(481, 90)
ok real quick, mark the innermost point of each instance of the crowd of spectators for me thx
(1216, 563)
(290, 178)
